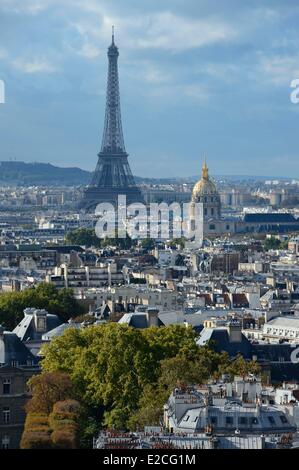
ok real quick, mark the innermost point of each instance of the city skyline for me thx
(194, 79)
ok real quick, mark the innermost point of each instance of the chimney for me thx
(235, 331)
(152, 316)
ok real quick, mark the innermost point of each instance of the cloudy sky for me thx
(196, 77)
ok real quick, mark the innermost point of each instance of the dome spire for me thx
(205, 170)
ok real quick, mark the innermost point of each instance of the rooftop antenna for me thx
(112, 34)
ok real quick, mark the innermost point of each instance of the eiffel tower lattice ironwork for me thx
(112, 176)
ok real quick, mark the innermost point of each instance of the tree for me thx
(37, 432)
(60, 302)
(150, 408)
(47, 389)
(177, 241)
(274, 243)
(125, 243)
(123, 375)
(194, 366)
(242, 367)
(60, 429)
(148, 244)
(64, 422)
(111, 364)
(83, 237)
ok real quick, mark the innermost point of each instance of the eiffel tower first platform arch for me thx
(112, 176)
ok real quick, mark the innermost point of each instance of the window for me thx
(212, 227)
(229, 420)
(227, 227)
(212, 211)
(5, 442)
(205, 211)
(271, 420)
(6, 414)
(243, 420)
(187, 417)
(283, 419)
(6, 386)
(214, 420)
(14, 363)
(254, 420)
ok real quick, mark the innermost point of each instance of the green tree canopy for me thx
(148, 244)
(60, 302)
(274, 243)
(125, 375)
(110, 364)
(83, 236)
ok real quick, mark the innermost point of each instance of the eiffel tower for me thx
(112, 176)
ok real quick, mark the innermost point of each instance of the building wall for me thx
(14, 401)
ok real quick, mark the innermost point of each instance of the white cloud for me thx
(193, 92)
(89, 51)
(171, 32)
(36, 65)
(149, 72)
(160, 30)
(279, 70)
(30, 7)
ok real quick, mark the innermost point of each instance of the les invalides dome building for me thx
(206, 199)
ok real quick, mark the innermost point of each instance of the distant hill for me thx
(35, 174)
(21, 173)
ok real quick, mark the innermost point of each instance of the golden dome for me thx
(205, 186)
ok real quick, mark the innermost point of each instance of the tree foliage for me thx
(64, 422)
(177, 241)
(111, 364)
(274, 243)
(37, 432)
(60, 302)
(53, 416)
(127, 374)
(83, 236)
(87, 237)
(148, 244)
(47, 389)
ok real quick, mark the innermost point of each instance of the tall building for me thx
(112, 176)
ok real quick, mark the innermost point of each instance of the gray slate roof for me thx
(25, 330)
(275, 217)
(59, 330)
(137, 320)
(220, 337)
(13, 350)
